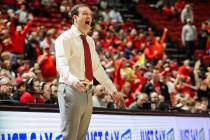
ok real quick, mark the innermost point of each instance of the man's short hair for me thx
(4, 80)
(75, 10)
(21, 84)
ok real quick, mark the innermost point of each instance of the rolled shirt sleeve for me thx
(100, 74)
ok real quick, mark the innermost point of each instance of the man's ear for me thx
(74, 18)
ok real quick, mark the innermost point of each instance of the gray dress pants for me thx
(75, 111)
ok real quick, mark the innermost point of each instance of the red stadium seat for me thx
(199, 54)
(206, 60)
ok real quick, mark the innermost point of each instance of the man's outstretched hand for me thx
(119, 101)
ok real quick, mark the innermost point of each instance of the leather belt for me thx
(88, 84)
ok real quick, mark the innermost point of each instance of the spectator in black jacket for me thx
(203, 36)
(155, 85)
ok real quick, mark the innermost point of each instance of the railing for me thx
(54, 109)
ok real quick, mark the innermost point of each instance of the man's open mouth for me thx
(87, 22)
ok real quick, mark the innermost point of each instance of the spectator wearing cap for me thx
(33, 94)
(189, 36)
(47, 64)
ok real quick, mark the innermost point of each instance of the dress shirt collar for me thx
(76, 31)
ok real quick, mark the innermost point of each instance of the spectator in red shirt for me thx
(158, 44)
(126, 92)
(140, 41)
(18, 36)
(149, 53)
(33, 94)
(173, 13)
(185, 70)
(179, 5)
(47, 64)
(118, 79)
(139, 77)
(184, 87)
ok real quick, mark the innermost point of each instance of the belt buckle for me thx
(88, 85)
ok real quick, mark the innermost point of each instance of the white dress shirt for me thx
(70, 59)
(186, 14)
(189, 33)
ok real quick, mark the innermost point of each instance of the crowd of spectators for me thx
(182, 11)
(134, 59)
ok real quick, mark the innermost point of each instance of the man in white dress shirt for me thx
(75, 53)
(189, 37)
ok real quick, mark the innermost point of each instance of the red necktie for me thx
(88, 62)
